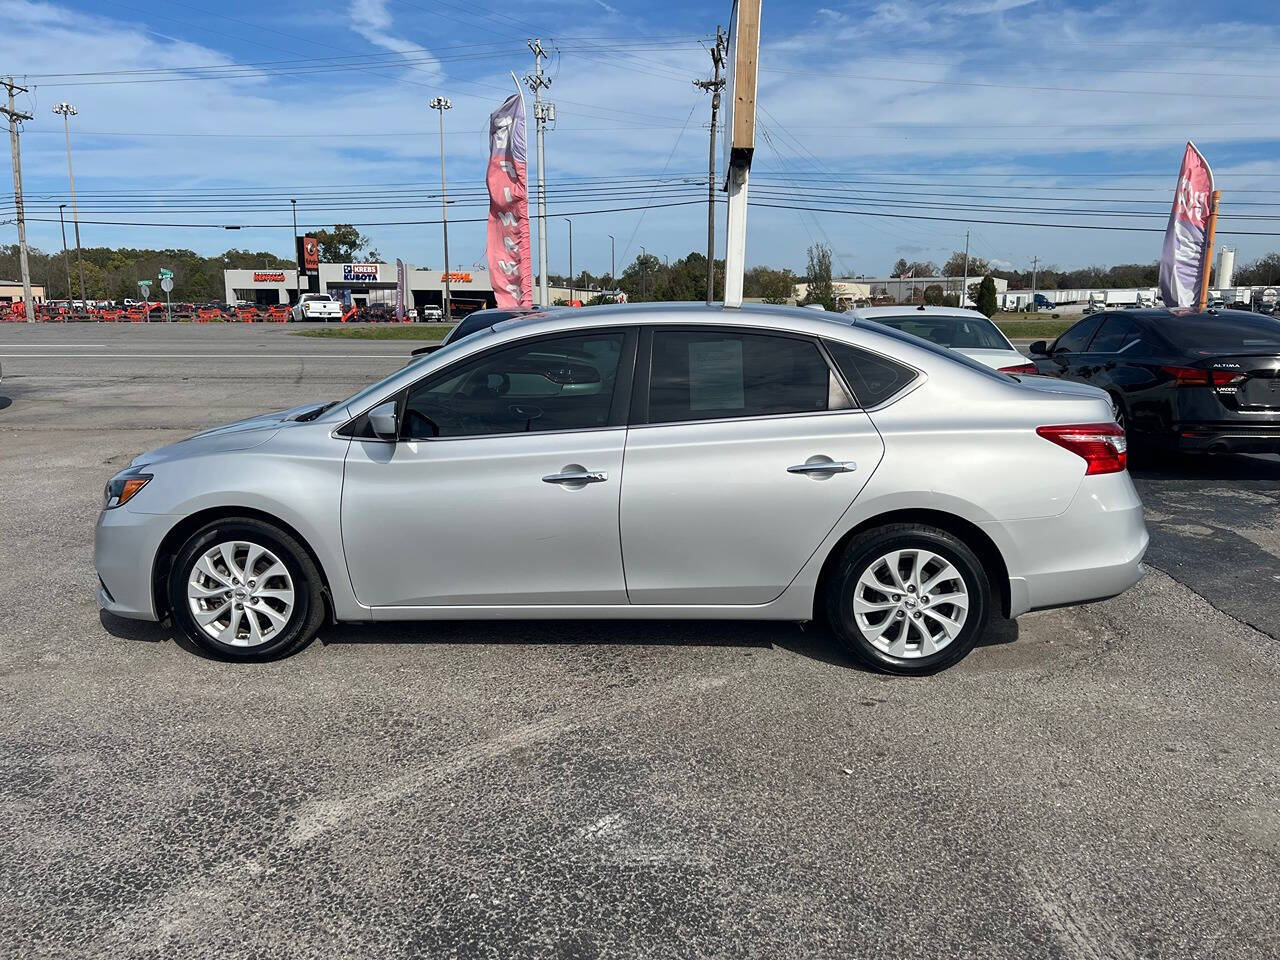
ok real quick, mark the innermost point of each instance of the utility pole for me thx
(570, 223)
(14, 119)
(542, 113)
(613, 261)
(1035, 262)
(644, 274)
(713, 86)
(964, 286)
(67, 111)
(297, 274)
(66, 261)
(442, 104)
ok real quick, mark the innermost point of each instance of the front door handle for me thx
(823, 466)
(576, 477)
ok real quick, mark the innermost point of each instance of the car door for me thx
(745, 448)
(503, 487)
(1067, 356)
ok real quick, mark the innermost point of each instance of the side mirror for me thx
(384, 422)
(1039, 348)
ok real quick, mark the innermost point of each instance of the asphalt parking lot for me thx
(1098, 782)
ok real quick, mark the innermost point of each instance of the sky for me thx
(886, 130)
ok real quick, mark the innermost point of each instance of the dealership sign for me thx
(455, 278)
(268, 278)
(360, 272)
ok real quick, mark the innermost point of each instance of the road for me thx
(1096, 782)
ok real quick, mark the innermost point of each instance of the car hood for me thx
(995, 359)
(240, 435)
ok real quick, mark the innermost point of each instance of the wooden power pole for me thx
(15, 117)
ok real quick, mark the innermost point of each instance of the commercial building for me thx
(363, 284)
(11, 291)
(894, 289)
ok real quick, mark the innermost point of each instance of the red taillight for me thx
(1102, 445)
(1194, 377)
(1027, 369)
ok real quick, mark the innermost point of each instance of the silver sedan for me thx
(652, 461)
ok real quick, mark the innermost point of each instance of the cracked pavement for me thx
(1095, 782)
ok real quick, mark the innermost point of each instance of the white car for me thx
(965, 331)
(317, 306)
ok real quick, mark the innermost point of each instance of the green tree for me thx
(769, 285)
(819, 289)
(955, 266)
(900, 268)
(933, 295)
(986, 297)
(343, 244)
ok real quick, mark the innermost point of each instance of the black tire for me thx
(308, 610)
(867, 548)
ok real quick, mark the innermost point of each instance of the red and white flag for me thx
(510, 259)
(1183, 259)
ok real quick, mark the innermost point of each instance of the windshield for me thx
(1229, 331)
(955, 332)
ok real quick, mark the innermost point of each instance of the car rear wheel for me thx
(908, 599)
(241, 589)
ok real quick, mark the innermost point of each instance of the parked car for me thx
(474, 322)
(965, 331)
(317, 306)
(430, 315)
(1179, 380)
(654, 461)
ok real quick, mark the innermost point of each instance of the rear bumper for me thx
(1091, 551)
(1227, 437)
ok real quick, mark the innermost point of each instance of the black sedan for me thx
(1179, 379)
(474, 322)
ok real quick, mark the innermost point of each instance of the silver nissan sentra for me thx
(651, 461)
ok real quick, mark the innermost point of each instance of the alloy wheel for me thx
(240, 594)
(911, 603)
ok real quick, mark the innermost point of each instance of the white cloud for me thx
(371, 20)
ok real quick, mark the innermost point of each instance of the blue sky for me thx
(914, 108)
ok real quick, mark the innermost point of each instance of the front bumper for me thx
(1091, 551)
(124, 551)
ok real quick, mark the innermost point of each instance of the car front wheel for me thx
(908, 599)
(242, 589)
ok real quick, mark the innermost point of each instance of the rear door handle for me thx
(574, 477)
(823, 466)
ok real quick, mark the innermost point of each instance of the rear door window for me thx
(719, 374)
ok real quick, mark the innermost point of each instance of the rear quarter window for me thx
(874, 378)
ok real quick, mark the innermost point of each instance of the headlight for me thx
(121, 488)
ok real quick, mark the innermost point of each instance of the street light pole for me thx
(67, 111)
(66, 261)
(570, 223)
(442, 104)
